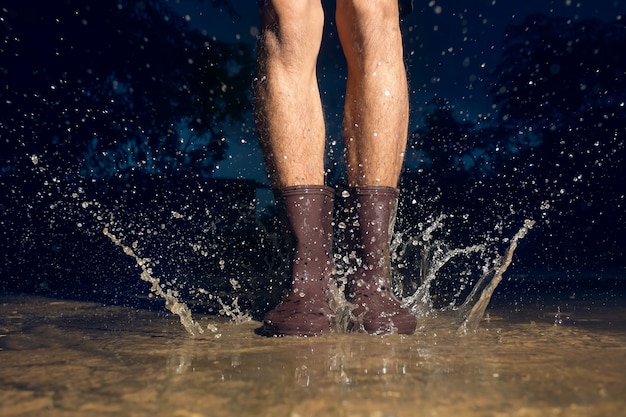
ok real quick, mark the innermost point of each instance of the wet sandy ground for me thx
(68, 358)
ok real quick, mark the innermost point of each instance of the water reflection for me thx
(119, 361)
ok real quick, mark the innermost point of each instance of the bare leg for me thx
(288, 107)
(376, 107)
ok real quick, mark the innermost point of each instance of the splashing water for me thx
(165, 290)
(171, 301)
(502, 263)
(233, 310)
(434, 255)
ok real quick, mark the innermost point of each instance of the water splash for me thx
(478, 308)
(476, 269)
(434, 254)
(172, 303)
(233, 310)
(427, 239)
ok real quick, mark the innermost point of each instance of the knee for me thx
(368, 28)
(295, 25)
(368, 14)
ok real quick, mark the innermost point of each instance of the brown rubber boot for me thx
(305, 310)
(377, 309)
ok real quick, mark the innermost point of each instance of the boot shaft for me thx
(370, 230)
(376, 208)
(307, 214)
(372, 219)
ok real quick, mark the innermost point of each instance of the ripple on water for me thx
(67, 358)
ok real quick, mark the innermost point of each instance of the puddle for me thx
(70, 358)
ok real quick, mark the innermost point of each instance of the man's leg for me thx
(376, 107)
(288, 107)
(291, 126)
(375, 133)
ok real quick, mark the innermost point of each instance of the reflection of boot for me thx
(370, 287)
(305, 311)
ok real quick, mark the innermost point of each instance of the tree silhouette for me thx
(554, 70)
(442, 140)
(123, 76)
(85, 84)
(563, 82)
(555, 145)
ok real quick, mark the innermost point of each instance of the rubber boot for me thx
(305, 310)
(369, 288)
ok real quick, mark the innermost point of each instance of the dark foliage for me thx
(123, 72)
(554, 151)
(80, 81)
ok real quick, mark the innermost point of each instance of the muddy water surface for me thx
(69, 358)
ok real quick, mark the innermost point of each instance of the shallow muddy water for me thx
(72, 358)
